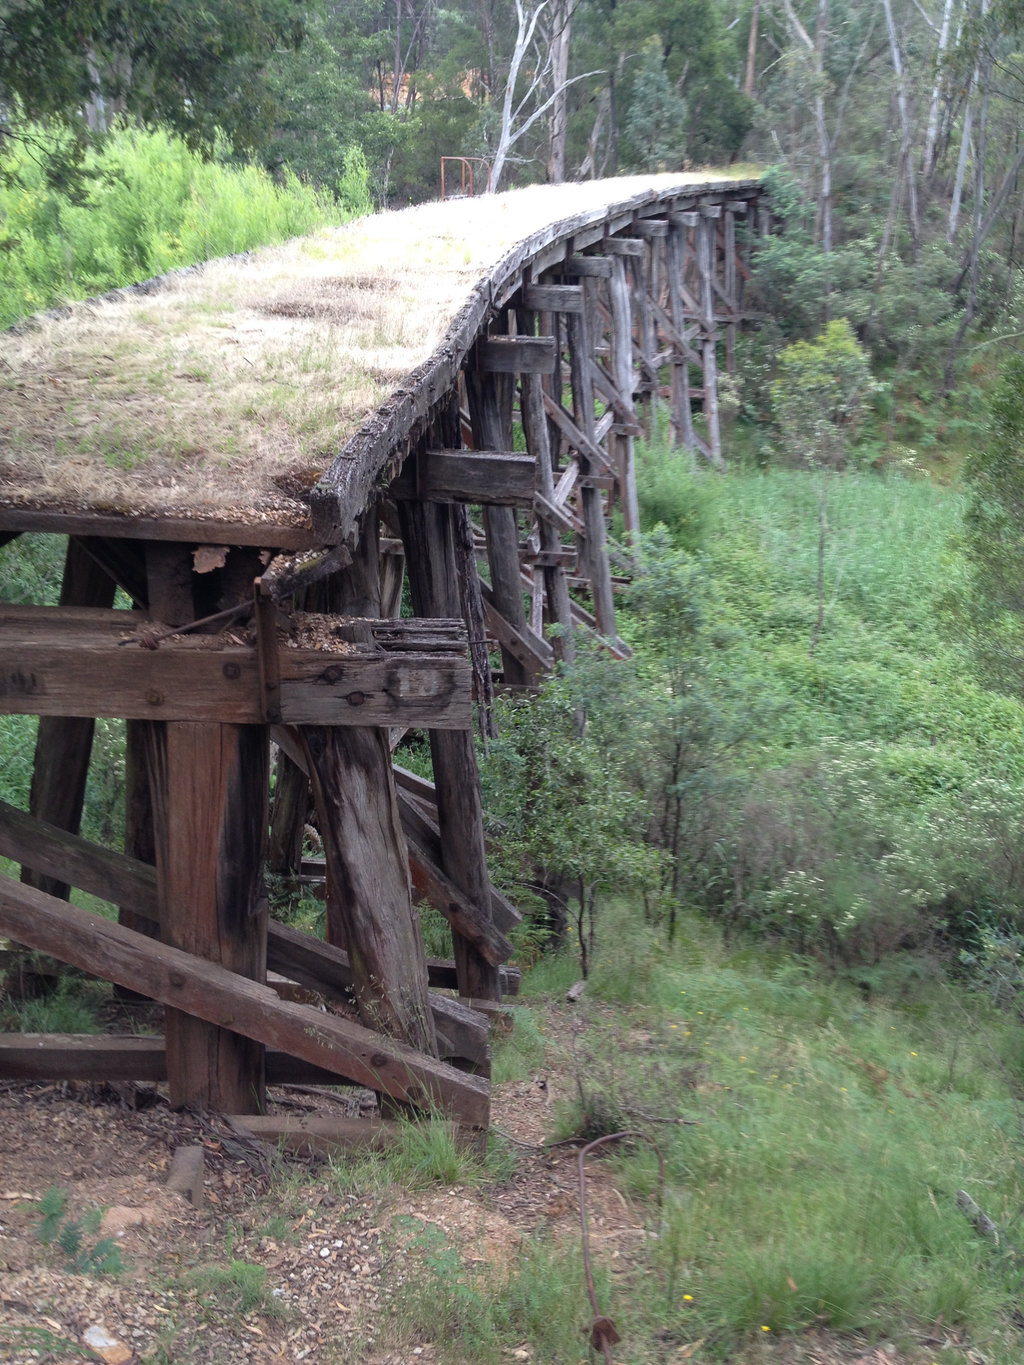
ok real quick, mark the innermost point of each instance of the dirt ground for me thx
(329, 1257)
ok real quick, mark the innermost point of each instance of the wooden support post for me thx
(621, 444)
(210, 856)
(64, 743)
(139, 830)
(428, 535)
(209, 789)
(729, 275)
(593, 551)
(370, 910)
(706, 233)
(682, 415)
(369, 906)
(535, 428)
(490, 409)
(287, 823)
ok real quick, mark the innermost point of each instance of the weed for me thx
(238, 1287)
(84, 1257)
(425, 1153)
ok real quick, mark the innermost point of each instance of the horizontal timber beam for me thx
(501, 478)
(207, 991)
(413, 673)
(515, 355)
(266, 535)
(553, 298)
(102, 1057)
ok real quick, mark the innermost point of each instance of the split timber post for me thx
(369, 908)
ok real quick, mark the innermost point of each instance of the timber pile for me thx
(264, 455)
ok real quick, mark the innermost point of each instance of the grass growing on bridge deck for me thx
(230, 388)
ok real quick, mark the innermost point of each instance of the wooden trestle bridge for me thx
(570, 313)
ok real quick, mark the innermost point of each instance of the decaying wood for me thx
(369, 898)
(211, 848)
(76, 664)
(212, 993)
(427, 533)
(503, 478)
(321, 1135)
(104, 1057)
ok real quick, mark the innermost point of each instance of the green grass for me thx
(813, 1184)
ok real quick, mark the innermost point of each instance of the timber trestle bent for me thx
(266, 634)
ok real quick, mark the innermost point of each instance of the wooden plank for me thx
(651, 229)
(269, 535)
(210, 992)
(324, 968)
(64, 857)
(490, 406)
(197, 679)
(269, 664)
(588, 267)
(625, 246)
(553, 298)
(560, 519)
(580, 440)
(321, 1134)
(533, 653)
(428, 531)
(503, 478)
(103, 1057)
(515, 355)
(424, 832)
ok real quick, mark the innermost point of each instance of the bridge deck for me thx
(220, 396)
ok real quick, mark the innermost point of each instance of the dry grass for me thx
(233, 387)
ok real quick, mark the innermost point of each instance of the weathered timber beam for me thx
(64, 737)
(326, 969)
(112, 876)
(578, 439)
(557, 516)
(431, 885)
(515, 355)
(515, 642)
(68, 858)
(504, 478)
(81, 673)
(624, 246)
(207, 991)
(99, 1057)
(263, 534)
(650, 228)
(553, 298)
(424, 831)
(320, 1134)
(588, 267)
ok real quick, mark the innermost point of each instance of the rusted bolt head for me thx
(232, 671)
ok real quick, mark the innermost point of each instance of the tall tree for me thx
(195, 67)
